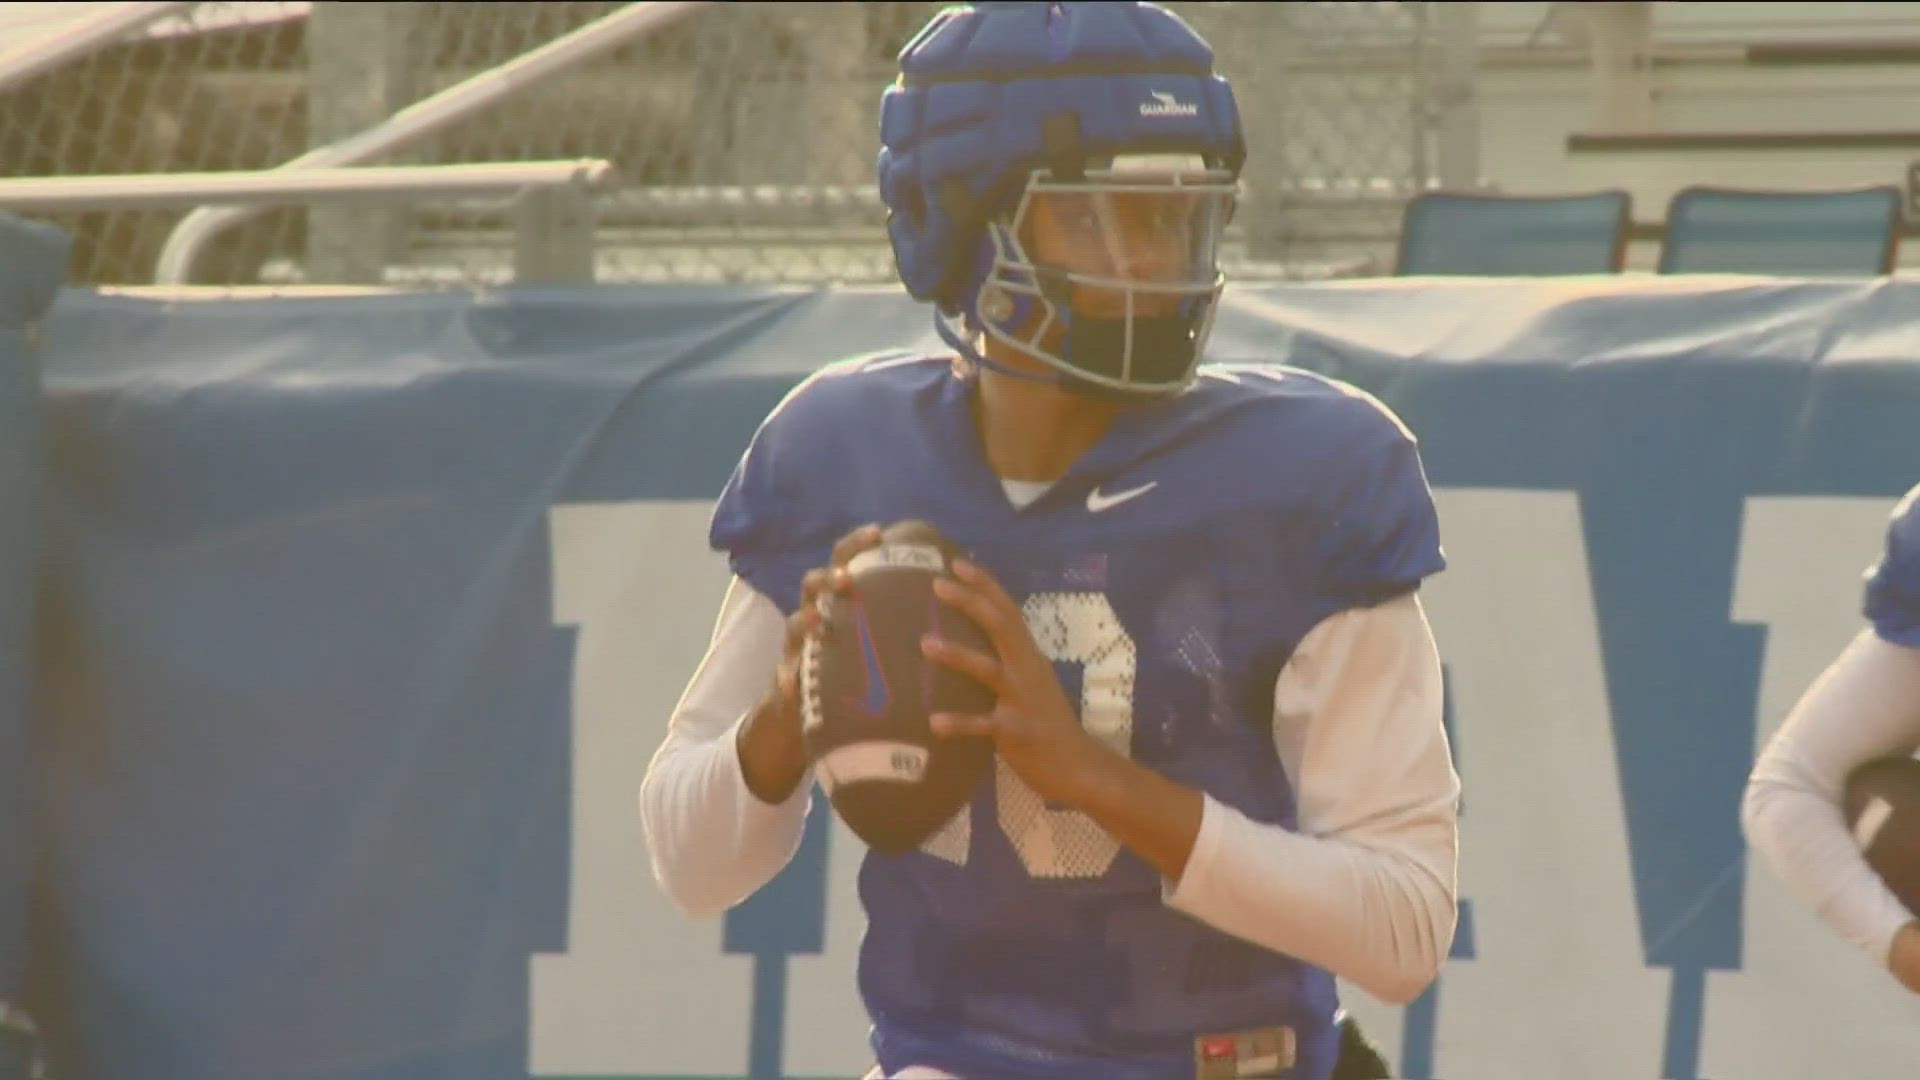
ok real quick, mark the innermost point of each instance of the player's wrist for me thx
(1904, 958)
(773, 757)
(1157, 818)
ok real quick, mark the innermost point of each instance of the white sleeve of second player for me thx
(1865, 705)
(711, 841)
(1366, 886)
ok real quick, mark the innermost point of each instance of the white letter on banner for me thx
(1803, 1002)
(826, 1024)
(641, 990)
(1557, 986)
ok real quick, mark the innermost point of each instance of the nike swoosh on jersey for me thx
(1096, 501)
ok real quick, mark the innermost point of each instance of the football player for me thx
(1222, 777)
(1864, 706)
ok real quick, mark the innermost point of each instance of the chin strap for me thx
(955, 335)
(961, 342)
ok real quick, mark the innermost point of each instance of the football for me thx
(866, 694)
(1882, 806)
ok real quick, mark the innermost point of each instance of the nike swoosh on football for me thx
(878, 695)
(1097, 502)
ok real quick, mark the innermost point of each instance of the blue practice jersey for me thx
(1893, 584)
(1170, 575)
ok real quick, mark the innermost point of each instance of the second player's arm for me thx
(1865, 705)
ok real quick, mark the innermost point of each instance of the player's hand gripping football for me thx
(1905, 960)
(773, 754)
(1034, 727)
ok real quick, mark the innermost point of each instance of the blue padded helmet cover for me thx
(990, 92)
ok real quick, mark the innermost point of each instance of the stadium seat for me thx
(1716, 230)
(1451, 233)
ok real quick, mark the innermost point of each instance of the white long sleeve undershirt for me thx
(1364, 889)
(1865, 705)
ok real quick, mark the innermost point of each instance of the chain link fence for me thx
(744, 133)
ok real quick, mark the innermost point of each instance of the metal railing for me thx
(554, 212)
(109, 24)
(432, 114)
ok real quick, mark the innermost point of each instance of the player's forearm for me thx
(1373, 915)
(1802, 838)
(1156, 818)
(773, 758)
(711, 841)
(1864, 706)
(1363, 883)
(1381, 917)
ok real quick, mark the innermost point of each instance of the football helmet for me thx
(1058, 176)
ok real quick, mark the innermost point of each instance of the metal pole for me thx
(430, 114)
(1620, 40)
(360, 61)
(833, 45)
(1457, 153)
(553, 237)
(108, 24)
(275, 187)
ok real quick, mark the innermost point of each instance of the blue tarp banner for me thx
(364, 613)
